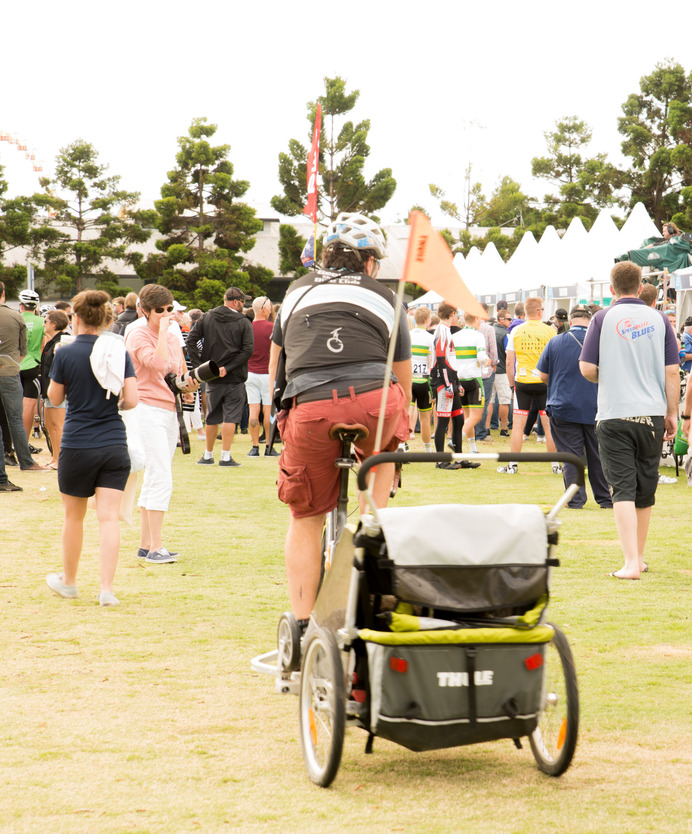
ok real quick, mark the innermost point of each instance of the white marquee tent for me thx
(563, 270)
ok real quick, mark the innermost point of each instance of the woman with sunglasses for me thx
(155, 352)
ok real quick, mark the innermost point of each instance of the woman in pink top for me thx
(155, 352)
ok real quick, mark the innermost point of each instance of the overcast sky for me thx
(445, 84)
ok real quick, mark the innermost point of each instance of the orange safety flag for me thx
(429, 264)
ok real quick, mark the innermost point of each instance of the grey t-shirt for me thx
(631, 343)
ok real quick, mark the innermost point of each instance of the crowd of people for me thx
(592, 387)
(103, 378)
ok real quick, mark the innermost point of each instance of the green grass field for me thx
(148, 718)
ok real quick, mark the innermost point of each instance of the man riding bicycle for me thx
(334, 328)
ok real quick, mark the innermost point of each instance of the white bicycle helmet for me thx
(45, 309)
(29, 298)
(357, 232)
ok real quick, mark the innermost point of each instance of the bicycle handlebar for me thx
(448, 457)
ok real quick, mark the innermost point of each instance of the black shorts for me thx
(630, 453)
(525, 395)
(473, 393)
(225, 402)
(28, 379)
(421, 395)
(81, 471)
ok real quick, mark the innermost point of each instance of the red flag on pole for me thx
(429, 264)
(313, 166)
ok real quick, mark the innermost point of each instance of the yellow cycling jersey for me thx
(527, 341)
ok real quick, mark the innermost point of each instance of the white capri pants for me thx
(159, 432)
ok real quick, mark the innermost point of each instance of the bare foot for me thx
(36, 467)
(621, 574)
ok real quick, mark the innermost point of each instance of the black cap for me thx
(561, 314)
(236, 294)
(688, 322)
(580, 312)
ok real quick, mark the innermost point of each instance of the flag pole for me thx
(385, 390)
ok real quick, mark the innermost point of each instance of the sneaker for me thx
(254, 452)
(557, 469)
(11, 460)
(504, 433)
(450, 445)
(108, 598)
(541, 438)
(34, 450)
(229, 462)
(468, 464)
(142, 552)
(55, 583)
(161, 557)
(10, 487)
(263, 438)
(525, 436)
(510, 469)
(205, 461)
(271, 453)
(665, 479)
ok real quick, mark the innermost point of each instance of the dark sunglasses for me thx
(160, 310)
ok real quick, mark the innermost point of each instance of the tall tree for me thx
(657, 126)
(584, 186)
(506, 206)
(204, 225)
(95, 220)
(474, 204)
(343, 153)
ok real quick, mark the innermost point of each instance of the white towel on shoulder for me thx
(108, 362)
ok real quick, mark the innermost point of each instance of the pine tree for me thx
(92, 222)
(204, 225)
(343, 153)
(584, 185)
(657, 126)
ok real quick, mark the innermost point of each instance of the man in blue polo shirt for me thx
(571, 407)
(631, 351)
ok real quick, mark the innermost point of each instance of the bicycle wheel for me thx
(288, 641)
(555, 738)
(322, 708)
(41, 418)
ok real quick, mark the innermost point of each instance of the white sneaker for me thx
(665, 479)
(56, 584)
(557, 469)
(510, 469)
(540, 439)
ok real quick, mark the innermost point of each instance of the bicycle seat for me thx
(357, 431)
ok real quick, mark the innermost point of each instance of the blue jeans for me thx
(13, 400)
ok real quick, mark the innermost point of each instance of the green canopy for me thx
(672, 255)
